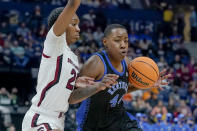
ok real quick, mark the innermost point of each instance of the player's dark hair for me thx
(54, 15)
(110, 27)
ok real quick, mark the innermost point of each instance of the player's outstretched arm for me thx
(65, 17)
(94, 69)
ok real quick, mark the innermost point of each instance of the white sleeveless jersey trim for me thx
(56, 75)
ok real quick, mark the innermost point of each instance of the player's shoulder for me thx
(94, 60)
(93, 67)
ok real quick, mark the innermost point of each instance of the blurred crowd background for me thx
(164, 30)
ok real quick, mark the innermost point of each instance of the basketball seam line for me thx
(150, 66)
(142, 74)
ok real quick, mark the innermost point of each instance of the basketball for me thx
(143, 72)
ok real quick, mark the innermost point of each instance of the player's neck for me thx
(115, 62)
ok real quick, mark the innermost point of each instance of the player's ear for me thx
(104, 42)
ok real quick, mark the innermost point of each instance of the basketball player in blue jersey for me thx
(104, 111)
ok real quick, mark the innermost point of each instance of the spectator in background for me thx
(168, 122)
(167, 18)
(1, 56)
(192, 101)
(11, 128)
(177, 62)
(87, 35)
(194, 72)
(162, 64)
(193, 21)
(42, 31)
(144, 46)
(175, 37)
(187, 28)
(153, 101)
(159, 109)
(7, 60)
(191, 124)
(139, 105)
(161, 39)
(37, 53)
(168, 14)
(192, 63)
(184, 109)
(160, 50)
(159, 125)
(19, 59)
(181, 125)
(185, 74)
(146, 36)
(36, 19)
(14, 96)
(146, 126)
(4, 28)
(133, 37)
(194, 107)
(5, 102)
(89, 19)
(1, 40)
(98, 35)
(171, 105)
(22, 30)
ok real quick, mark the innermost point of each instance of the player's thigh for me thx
(56, 130)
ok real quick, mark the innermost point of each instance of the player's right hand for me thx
(107, 81)
(83, 82)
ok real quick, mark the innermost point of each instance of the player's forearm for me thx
(65, 17)
(81, 94)
(74, 3)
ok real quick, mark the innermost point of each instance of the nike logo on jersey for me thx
(71, 62)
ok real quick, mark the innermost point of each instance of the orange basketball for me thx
(143, 72)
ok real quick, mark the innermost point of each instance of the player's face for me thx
(117, 43)
(72, 32)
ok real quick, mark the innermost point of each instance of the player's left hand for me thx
(160, 82)
(82, 82)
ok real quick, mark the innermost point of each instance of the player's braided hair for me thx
(54, 15)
